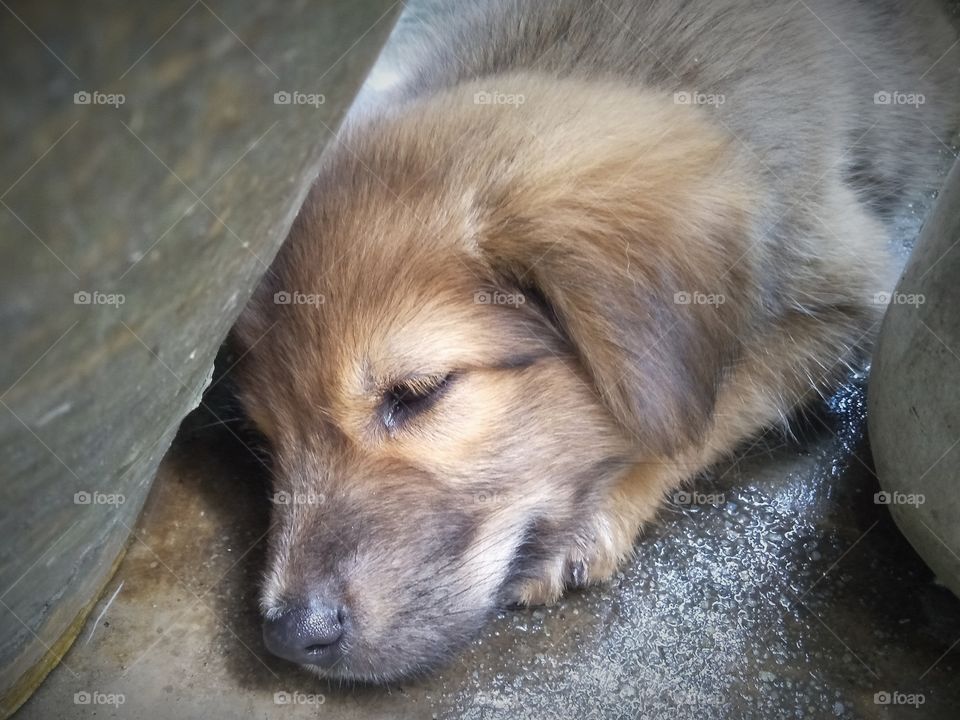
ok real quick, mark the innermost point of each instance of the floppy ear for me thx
(643, 257)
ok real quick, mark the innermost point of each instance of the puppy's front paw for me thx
(594, 552)
(546, 590)
(593, 557)
(597, 555)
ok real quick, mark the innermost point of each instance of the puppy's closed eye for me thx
(412, 397)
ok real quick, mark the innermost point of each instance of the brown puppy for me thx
(583, 253)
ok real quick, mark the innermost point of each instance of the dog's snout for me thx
(310, 635)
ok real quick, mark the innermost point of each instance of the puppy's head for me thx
(475, 330)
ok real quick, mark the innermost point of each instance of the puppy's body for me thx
(798, 80)
(585, 250)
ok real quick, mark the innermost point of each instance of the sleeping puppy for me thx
(583, 251)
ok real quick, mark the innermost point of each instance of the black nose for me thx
(309, 635)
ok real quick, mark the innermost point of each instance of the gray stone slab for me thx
(915, 393)
(148, 175)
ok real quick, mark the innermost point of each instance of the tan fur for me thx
(565, 414)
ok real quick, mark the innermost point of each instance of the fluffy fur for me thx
(584, 251)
